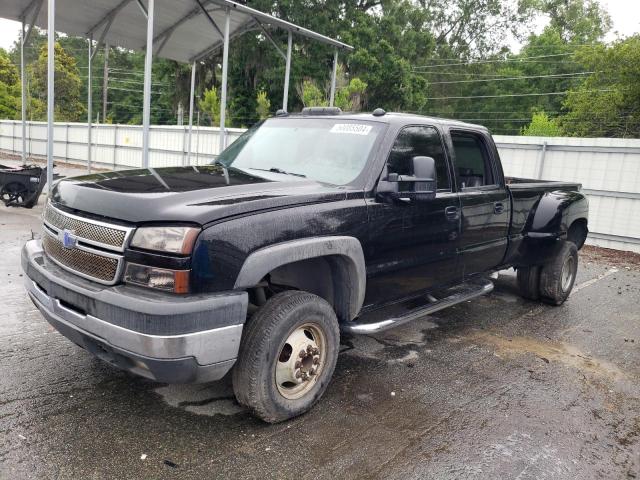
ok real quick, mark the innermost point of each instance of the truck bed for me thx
(526, 193)
(517, 183)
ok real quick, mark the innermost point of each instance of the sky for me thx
(624, 13)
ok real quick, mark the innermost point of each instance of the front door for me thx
(484, 200)
(413, 244)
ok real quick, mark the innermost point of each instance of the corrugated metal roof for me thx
(182, 31)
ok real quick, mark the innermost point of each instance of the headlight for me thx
(176, 281)
(166, 239)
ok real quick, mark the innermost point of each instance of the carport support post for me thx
(191, 94)
(89, 103)
(332, 97)
(23, 83)
(223, 92)
(146, 109)
(287, 73)
(51, 38)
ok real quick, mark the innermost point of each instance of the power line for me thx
(516, 95)
(497, 60)
(556, 75)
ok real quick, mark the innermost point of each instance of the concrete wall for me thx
(609, 169)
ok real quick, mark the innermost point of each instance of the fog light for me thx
(176, 281)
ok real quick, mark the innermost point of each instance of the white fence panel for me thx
(608, 168)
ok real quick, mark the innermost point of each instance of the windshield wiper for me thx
(279, 170)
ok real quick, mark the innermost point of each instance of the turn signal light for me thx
(176, 281)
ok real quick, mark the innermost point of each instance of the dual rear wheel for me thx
(552, 282)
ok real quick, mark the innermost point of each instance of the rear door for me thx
(484, 201)
(413, 245)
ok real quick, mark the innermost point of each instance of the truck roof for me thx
(391, 118)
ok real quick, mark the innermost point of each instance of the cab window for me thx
(417, 141)
(473, 165)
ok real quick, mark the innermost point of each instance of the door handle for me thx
(498, 207)
(452, 213)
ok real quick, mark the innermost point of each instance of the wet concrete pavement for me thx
(495, 388)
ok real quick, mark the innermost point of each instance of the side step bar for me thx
(458, 294)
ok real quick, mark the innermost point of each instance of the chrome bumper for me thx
(177, 358)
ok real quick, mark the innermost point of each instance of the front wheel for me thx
(288, 353)
(559, 275)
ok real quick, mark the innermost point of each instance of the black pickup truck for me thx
(307, 226)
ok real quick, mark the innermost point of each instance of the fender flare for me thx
(555, 213)
(346, 250)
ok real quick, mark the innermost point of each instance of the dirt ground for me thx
(498, 387)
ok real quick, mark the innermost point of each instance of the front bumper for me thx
(172, 339)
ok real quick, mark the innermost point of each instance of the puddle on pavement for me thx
(390, 345)
(202, 399)
(559, 352)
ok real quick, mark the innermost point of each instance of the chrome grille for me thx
(88, 264)
(88, 230)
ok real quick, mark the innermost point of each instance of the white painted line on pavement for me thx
(588, 283)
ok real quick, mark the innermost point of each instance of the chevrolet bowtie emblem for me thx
(68, 239)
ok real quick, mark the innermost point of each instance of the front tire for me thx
(288, 353)
(559, 275)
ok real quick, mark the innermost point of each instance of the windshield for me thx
(332, 150)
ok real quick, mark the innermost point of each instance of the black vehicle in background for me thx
(22, 186)
(307, 226)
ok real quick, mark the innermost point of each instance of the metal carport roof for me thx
(182, 30)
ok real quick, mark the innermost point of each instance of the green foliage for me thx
(311, 94)
(9, 88)
(68, 107)
(607, 102)
(350, 97)
(210, 106)
(263, 105)
(542, 126)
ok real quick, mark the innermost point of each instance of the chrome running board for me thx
(458, 294)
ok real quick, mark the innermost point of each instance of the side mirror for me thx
(419, 186)
(424, 176)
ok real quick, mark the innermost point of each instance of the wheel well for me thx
(577, 232)
(329, 277)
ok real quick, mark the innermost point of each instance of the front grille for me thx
(86, 263)
(87, 230)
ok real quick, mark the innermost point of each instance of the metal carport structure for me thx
(181, 27)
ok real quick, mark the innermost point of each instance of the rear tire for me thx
(559, 275)
(288, 353)
(529, 282)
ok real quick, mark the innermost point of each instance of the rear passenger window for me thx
(414, 142)
(473, 166)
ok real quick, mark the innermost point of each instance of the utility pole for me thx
(105, 81)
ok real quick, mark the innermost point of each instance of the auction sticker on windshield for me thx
(352, 128)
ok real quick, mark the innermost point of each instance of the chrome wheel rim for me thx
(567, 273)
(300, 361)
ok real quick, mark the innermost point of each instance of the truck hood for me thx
(186, 194)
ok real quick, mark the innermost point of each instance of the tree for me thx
(607, 102)
(350, 97)
(311, 95)
(68, 107)
(263, 105)
(542, 126)
(9, 88)
(210, 105)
